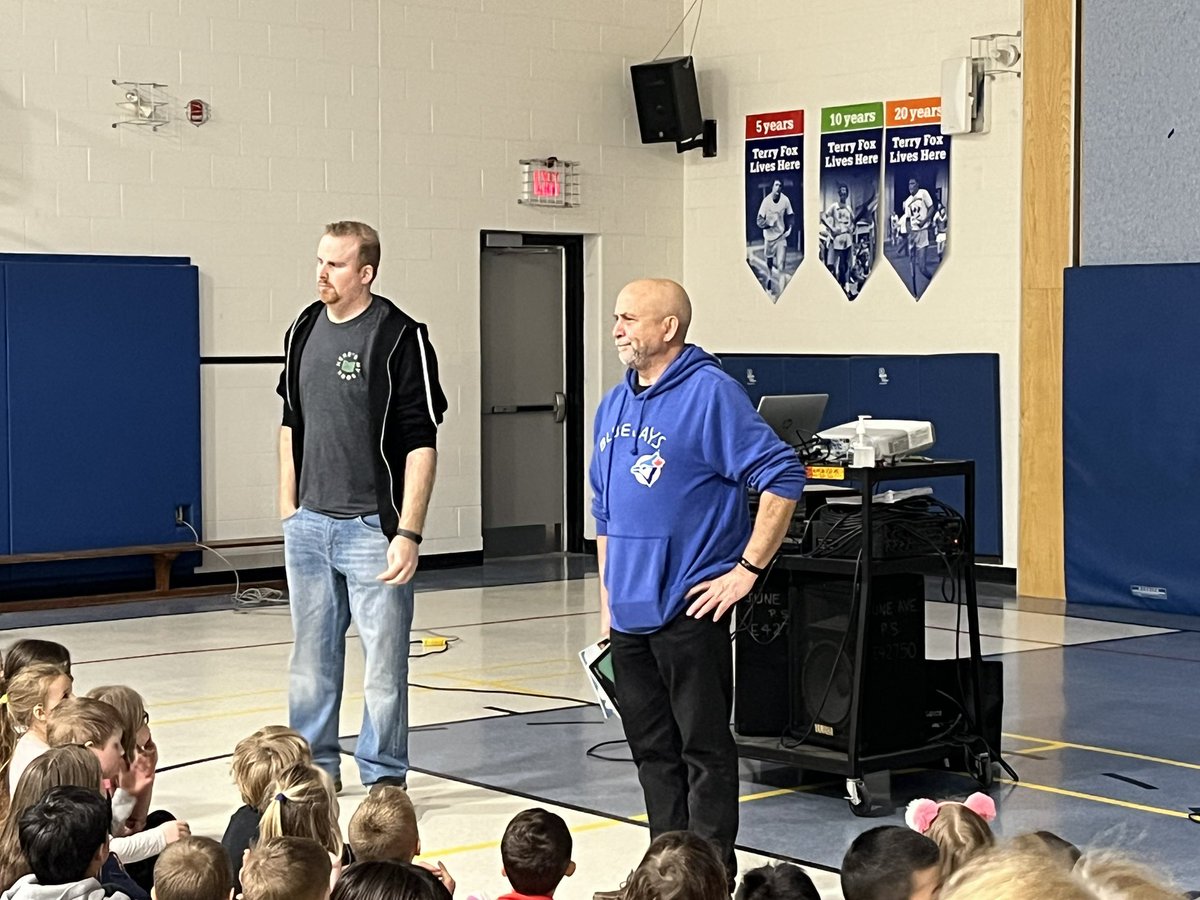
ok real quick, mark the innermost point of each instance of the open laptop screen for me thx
(794, 417)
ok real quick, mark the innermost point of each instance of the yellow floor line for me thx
(608, 823)
(490, 685)
(278, 709)
(1063, 792)
(486, 845)
(1124, 753)
(158, 704)
(1048, 747)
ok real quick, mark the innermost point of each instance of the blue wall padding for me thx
(5, 476)
(101, 396)
(958, 392)
(1131, 436)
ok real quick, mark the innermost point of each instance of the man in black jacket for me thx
(357, 458)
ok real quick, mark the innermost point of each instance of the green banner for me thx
(850, 118)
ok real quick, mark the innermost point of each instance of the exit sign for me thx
(549, 182)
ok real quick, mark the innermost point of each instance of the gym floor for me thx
(1098, 723)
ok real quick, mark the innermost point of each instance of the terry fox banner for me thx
(851, 149)
(916, 190)
(774, 195)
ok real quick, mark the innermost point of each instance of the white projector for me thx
(892, 438)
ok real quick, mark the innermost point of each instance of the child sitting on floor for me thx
(54, 768)
(780, 882)
(536, 852)
(64, 836)
(27, 701)
(890, 862)
(286, 868)
(137, 778)
(257, 761)
(28, 651)
(384, 827)
(679, 865)
(195, 868)
(302, 804)
(960, 830)
(97, 725)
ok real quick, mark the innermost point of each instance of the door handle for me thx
(560, 407)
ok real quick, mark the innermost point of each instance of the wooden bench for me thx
(164, 555)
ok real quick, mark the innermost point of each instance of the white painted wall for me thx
(756, 57)
(408, 115)
(412, 115)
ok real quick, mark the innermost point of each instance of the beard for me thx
(632, 357)
(328, 293)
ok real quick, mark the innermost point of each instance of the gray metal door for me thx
(524, 404)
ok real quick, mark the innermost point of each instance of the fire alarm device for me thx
(197, 112)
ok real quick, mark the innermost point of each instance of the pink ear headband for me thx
(920, 813)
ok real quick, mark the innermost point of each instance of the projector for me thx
(892, 438)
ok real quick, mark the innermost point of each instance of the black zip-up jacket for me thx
(404, 397)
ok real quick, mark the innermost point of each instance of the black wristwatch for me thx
(746, 564)
(411, 535)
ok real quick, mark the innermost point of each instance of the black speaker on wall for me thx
(668, 105)
(892, 689)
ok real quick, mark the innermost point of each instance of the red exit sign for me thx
(547, 183)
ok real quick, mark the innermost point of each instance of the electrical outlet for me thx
(181, 514)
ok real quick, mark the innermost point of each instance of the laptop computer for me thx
(794, 417)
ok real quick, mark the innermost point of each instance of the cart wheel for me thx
(858, 797)
(979, 767)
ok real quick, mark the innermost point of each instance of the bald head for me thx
(650, 325)
(661, 298)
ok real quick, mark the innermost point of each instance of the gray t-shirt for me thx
(337, 473)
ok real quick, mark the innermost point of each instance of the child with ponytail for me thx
(25, 702)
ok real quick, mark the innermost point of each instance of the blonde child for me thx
(286, 868)
(384, 827)
(93, 724)
(960, 830)
(137, 778)
(27, 701)
(196, 868)
(96, 725)
(302, 804)
(257, 761)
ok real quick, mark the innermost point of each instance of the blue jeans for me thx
(331, 568)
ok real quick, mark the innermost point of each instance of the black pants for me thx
(142, 871)
(675, 690)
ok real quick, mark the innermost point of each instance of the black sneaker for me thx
(392, 780)
(337, 785)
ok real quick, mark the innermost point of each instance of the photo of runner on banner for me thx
(851, 150)
(774, 197)
(916, 191)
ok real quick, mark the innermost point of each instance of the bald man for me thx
(677, 442)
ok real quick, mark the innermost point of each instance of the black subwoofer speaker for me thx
(668, 105)
(762, 687)
(824, 646)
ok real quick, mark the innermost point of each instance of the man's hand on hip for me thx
(402, 561)
(720, 593)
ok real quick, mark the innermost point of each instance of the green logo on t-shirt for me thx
(348, 366)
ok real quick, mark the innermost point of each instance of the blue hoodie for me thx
(669, 473)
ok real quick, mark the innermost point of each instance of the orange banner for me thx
(923, 111)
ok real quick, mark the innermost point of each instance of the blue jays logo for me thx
(647, 469)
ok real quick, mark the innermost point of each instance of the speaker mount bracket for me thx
(706, 140)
